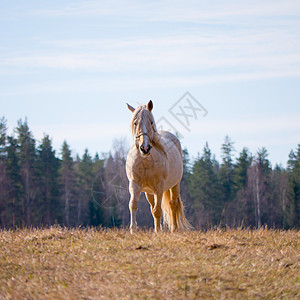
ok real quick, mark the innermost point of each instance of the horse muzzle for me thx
(145, 149)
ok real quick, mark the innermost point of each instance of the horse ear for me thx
(132, 109)
(150, 105)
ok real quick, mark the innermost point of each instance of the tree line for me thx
(39, 187)
(245, 191)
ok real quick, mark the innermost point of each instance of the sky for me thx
(211, 68)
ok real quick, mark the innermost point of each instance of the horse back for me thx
(169, 139)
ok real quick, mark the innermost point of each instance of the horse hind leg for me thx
(157, 211)
(151, 200)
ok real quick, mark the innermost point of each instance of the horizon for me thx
(123, 142)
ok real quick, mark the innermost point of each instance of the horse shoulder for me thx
(130, 161)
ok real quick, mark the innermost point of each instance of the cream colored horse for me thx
(154, 166)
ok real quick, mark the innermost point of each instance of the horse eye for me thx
(134, 124)
(151, 123)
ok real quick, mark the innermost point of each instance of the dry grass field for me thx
(59, 263)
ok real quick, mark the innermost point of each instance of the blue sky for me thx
(70, 67)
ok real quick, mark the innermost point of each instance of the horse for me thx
(154, 166)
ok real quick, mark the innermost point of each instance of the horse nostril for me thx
(146, 149)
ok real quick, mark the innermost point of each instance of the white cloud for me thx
(97, 137)
(240, 54)
(174, 11)
(138, 83)
(250, 126)
(83, 131)
(207, 54)
(57, 61)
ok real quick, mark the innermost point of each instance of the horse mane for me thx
(141, 113)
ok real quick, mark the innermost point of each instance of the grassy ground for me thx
(57, 263)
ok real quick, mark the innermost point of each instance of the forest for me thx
(40, 188)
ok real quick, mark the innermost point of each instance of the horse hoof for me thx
(133, 230)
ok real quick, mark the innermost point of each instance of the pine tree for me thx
(3, 174)
(204, 190)
(68, 183)
(244, 161)
(27, 159)
(186, 163)
(293, 208)
(227, 169)
(14, 183)
(47, 169)
(85, 173)
(226, 174)
(3, 129)
(237, 212)
(263, 161)
(297, 190)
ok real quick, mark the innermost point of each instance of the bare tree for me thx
(258, 184)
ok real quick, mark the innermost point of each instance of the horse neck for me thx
(157, 142)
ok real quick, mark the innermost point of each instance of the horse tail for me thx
(181, 221)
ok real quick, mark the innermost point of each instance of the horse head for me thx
(143, 127)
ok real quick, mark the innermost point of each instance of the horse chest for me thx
(149, 170)
(146, 171)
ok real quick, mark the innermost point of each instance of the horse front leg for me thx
(135, 191)
(156, 211)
